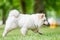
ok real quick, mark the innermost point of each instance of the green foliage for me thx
(29, 6)
(16, 4)
(0, 14)
(1, 2)
(53, 4)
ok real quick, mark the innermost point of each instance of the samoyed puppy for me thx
(24, 21)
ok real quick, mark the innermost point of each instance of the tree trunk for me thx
(3, 17)
(3, 14)
(23, 6)
(39, 6)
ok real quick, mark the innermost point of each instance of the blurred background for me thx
(50, 7)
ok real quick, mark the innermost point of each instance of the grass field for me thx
(48, 34)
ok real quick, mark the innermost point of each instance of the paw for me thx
(40, 33)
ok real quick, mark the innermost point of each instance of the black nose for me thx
(48, 24)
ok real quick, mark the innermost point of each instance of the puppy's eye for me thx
(45, 20)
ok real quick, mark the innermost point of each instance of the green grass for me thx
(48, 34)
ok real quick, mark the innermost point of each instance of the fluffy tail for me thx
(14, 13)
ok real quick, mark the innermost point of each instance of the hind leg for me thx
(5, 31)
(8, 28)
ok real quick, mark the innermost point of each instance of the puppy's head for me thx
(14, 13)
(43, 18)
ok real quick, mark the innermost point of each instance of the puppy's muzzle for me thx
(46, 23)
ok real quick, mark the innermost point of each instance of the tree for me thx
(2, 6)
(39, 6)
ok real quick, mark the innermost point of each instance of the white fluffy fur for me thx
(24, 21)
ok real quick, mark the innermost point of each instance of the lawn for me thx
(48, 34)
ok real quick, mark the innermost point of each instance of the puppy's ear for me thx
(41, 16)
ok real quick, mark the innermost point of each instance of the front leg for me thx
(23, 31)
(36, 30)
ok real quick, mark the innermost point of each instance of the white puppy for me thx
(24, 21)
(11, 21)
